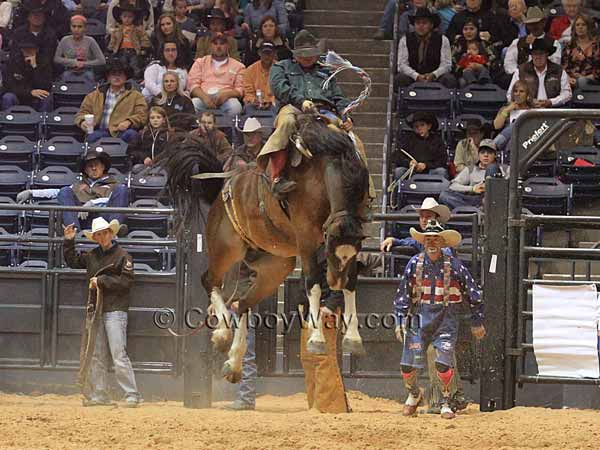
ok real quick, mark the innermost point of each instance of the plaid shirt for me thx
(109, 104)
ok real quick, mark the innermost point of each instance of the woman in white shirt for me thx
(522, 100)
(170, 60)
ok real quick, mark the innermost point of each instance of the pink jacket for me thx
(228, 76)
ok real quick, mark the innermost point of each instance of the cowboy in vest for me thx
(298, 86)
(424, 55)
(427, 306)
(547, 81)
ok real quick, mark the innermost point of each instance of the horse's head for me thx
(343, 241)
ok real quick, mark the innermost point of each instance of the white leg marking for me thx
(238, 348)
(350, 315)
(222, 331)
(314, 319)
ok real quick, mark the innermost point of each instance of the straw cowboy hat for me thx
(251, 125)
(100, 224)
(429, 204)
(534, 15)
(451, 237)
(306, 45)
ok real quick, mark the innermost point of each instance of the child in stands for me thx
(129, 42)
(152, 140)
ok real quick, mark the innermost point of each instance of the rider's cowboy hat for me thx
(425, 13)
(306, 45)
(429, 204)
(251, 125)
(451, 237)
(534, 15)
(100, 224)
(424, 116)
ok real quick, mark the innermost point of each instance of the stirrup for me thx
(281, 187)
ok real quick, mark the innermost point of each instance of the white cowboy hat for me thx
(99, 224)
(429, 204)
(451, 237)
(251, 125)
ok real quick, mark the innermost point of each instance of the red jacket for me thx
(558, 26)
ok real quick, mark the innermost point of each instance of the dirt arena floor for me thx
(59, 422)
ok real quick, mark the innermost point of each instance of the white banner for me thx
(565, 330)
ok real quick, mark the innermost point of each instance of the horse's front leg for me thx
(352, 341)
(232, 368)
(316, 341)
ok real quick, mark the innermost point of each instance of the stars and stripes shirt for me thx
(109, 105)
(462, 287)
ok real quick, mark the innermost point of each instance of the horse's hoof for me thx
(353, 346)
(316, 347)
(230, 374)
(221, 340)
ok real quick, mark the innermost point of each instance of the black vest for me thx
(554, 72)
(523, 48)
(434, 50)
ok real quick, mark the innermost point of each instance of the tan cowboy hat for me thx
(100, 224)
(251, 125)
(429, 204)
(451, 237)
(534, 15)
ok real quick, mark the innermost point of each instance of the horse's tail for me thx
(184, 157)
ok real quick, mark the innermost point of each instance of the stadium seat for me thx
(148, 184)
(53, 177)
(432, 97)
(39, 219)
(33, 250)
(585, 177)
(401, 228)
(116, 148)
(21, 120)
(97, 30)
(546, 195)
(464, 227)
(60, 122)
(586, 97)
(145, 254)
(62, 151)
(7, 250)
(34, 264)
(148, 222)
(9, 219)
(120, 177)
(18, 151)
(71, 92)
(13, 180)
(482, 99)
(414, 190)
(142, 268)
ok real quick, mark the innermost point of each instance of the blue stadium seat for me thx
(148, 184)
(60, 122)
(71, 92)
(587, 97)
(152, 256)
(39, 219)
(142, 268)
(21, 120)
(33, 250)
(116, 148)
(414, 190)
(13, 180)
(34, 264)
(148, 222)
(482, 99)
(62, 151)
(18, 151)
(432, 97)
(546, 195)
(53, 177)
(120, 177)
(585, 179)
(96, 29)
(7, 250)
(9, 219)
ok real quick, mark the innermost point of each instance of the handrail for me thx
(92, 209)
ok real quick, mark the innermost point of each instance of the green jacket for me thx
(291, 85)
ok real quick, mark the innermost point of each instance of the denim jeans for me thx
(119, 198)
(453, 199)
(247, 388)
(41, 105)
(387, 21)
(112, 335)
(127, 135)
(231, 107)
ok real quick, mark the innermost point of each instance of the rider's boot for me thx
(280, 186)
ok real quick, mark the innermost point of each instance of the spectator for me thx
(56, 16)
(168, 30)
(521, 100)
(518, 52)
(472, 57)
(425, 145)
(465, 154)
(386, 25)
(247, 152)
(216, 81)
(91, 9)
(170, 60)
(95, 188)
(128, 41)
(581, 56)
(118, 109)
(6, 17)
(485, 20)
(446, 9)
(404, 24)
(79, 54)
(547, 81)
(152, 140)
(514, 23)
(216, 26)
(257, 91)
(229, 8)
(468, 188)
(268, 32)
(257, 9)
(171, 97)
(145, 19)
(187, 26)
(424, 55)
(212, 137)
(561, 27)
(36, 28)
(28, 78)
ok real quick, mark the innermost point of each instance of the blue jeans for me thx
(119, 198)
(502, 140)
(231, 107)
(41, 105)
(247, 388)
(127, 135)
(453, 199)
(387, 21)
(112, 335)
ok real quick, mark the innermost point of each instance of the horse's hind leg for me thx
(270, 272)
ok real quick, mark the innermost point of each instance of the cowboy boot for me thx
(280, 186)
(415, 394)
(446, 410)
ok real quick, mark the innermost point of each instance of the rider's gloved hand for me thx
(308, 106)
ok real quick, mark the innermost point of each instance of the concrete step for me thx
(377, 74)
(359, 46)
(342, 17)
(373, 105)
(353, 90)
(341, 32)
(351, 5)
(375, 163)
(368, 60)
(371, 229)
(371, 135)
(370, 119)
